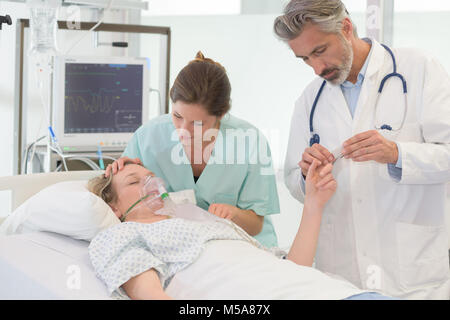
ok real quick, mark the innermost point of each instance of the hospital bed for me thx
(44, 265)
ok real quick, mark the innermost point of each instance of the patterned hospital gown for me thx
(130, 248)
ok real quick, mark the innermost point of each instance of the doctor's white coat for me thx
(379, 233)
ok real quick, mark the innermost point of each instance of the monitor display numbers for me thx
(102, 98)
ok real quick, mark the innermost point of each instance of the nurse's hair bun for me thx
(203, 81)
(199, 57)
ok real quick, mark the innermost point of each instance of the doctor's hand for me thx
(370, 145)
(119, 164)
(316, 152)
(320, 185)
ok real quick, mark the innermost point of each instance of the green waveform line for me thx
(89, 91)
(95, 105)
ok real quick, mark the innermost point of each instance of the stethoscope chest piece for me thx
(314, 139)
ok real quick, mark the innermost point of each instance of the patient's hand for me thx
(320, 184)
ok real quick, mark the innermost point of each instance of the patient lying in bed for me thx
(152, 256)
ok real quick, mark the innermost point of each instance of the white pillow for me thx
(67, 208)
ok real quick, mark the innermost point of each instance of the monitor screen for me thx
(102, 98)
(99, 101)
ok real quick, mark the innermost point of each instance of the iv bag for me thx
(43, 26)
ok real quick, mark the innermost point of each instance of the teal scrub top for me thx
(243, 179)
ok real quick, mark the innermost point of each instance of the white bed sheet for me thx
(46, 265)
(41, 265)
(221, 273)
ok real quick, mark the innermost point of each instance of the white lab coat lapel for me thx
(336, 100)
(364, 113)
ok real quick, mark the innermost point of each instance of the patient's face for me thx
(127, 186)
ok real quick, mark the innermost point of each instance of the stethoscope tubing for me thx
(315, 138)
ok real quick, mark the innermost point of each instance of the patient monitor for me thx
(98, 101)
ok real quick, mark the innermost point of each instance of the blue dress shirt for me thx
(351, 94)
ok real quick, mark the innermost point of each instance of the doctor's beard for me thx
(344, 69)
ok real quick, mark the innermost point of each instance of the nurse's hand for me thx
(320, 185)
(119, 164)
(223, 210)
(316, 152)
(370, 145)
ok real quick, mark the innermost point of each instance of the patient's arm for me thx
(145, 286)
(303, 248)
(320, 186)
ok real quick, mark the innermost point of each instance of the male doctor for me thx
(384, 229)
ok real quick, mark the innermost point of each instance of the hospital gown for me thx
(130, 248)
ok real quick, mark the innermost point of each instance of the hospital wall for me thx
(266, 78)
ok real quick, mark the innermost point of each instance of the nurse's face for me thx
(329, 54)
(192, 121)
(127, 187)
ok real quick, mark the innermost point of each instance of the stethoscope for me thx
(315, 138)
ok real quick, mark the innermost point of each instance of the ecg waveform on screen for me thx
(102, 97)
(85, 100)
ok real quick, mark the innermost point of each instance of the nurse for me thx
(200, 146)
(384, 228)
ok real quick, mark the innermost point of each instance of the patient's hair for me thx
(101, 186)
(203, 81)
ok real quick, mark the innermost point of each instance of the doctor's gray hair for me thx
(327, 14)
